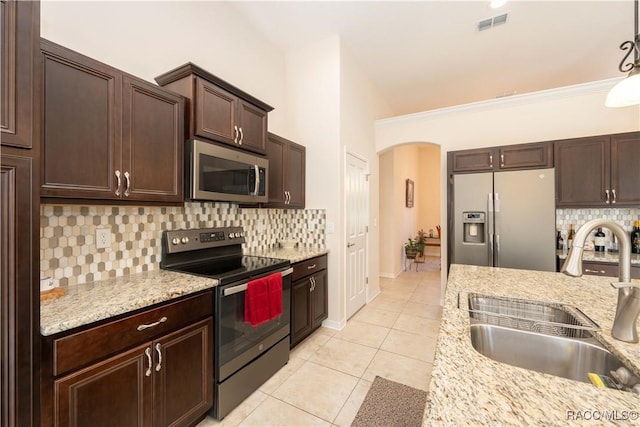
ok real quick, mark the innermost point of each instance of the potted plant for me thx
(421, 241)
(410, 249)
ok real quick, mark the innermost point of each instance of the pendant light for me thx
(627, 92)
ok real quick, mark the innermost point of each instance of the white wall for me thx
(147, 39)
(574, 111)
(360, 105)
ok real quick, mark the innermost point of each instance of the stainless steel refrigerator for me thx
(505, 219)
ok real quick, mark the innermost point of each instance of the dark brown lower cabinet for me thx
(309, 297)
(161, 383)
(164, 378)
(607, 269)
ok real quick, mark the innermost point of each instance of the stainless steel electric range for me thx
(244, 356)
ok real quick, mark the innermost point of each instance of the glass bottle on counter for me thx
(571, 235)
(599, 241)
(559, 240)
(635, 238)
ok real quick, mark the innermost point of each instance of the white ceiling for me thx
(424, 55)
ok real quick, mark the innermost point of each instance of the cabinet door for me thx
(300, 310)
(183, 375)
(526, 156)
(18, 300)
(295, 175)
(625, 169)
(482, 159)
(215, 113)
(276, 153)
(152, 142)
(20, 38)
(81, 133)
(582, 171)
(252, 123)
(115, 392)
(319, 299)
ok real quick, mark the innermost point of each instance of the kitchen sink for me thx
(555, 355)
(551, 338)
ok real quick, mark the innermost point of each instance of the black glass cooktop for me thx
(233, 269)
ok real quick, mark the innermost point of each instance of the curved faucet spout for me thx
(573, 264)
(628, 308)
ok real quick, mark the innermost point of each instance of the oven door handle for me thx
(243, 287)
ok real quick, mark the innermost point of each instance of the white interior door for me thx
(357, 218)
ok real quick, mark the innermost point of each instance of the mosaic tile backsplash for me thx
(68, 251)
(623, 216)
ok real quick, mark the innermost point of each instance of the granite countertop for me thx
(91, 302)
(609, 257)
(468, 388)
(294, 255)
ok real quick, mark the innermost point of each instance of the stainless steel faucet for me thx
(624, 325)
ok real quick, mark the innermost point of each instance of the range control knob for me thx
(185, 240)
(241, 234)
(175, 240)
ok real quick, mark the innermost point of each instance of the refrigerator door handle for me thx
(496, 229)
(490, 230)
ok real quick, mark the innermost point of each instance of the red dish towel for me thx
(263, 299)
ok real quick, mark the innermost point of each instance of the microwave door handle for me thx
(257, 181)
(243, 287)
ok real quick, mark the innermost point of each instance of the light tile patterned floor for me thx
(330, 373)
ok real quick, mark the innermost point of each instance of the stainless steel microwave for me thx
(222, 174)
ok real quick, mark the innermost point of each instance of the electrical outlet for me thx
(103, 238)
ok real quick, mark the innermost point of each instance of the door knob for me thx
(350, 244)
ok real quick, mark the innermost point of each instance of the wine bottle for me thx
(598, 244)
(572, 233)
(559, 240)
(635, 238)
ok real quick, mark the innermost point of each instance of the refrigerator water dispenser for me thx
(473, 226)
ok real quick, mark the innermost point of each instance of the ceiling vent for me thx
(485, 24)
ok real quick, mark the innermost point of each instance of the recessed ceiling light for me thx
(496, 4)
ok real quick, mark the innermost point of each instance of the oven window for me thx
(234, 336)
(229, 177)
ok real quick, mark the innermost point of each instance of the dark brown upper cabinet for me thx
(218, 110)
(19, 213)
(510, 157)
(18, 93)
(108, 135)
(286, 173)
(599, 171)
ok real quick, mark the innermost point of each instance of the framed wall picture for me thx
(409, 193)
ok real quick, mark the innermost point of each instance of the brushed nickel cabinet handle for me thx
(151, 325)
(119, 183)
(613, 191)
(491, 161)
(235, 134)
(241, 136)
(501, 160)
(608, 197)
(127, 178)
(159, 365)
(147, 351)
(588, 270)
(311, 267)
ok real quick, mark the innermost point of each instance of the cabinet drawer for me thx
(310, 266)
(600, 269)
(80, 349)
